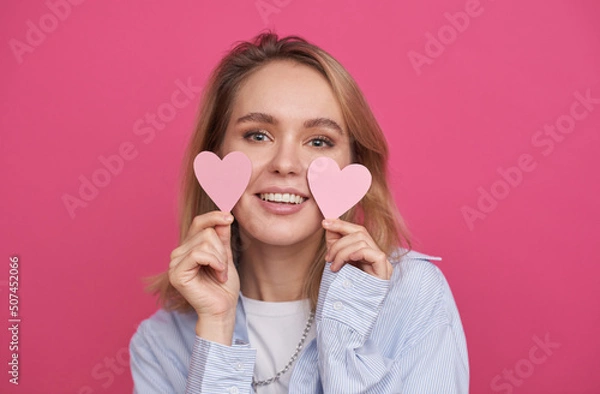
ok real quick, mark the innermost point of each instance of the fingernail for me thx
(326, 223)
(228, 218)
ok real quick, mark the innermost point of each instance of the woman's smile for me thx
(282, 200)
(285, 198)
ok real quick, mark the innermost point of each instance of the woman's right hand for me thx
(202, 270)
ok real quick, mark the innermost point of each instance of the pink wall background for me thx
(522, 262)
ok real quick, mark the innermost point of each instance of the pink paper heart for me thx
(336, 191)
(223, 180)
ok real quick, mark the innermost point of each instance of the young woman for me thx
(275, 298)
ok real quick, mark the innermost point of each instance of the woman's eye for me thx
(255, 135)
(321, 142)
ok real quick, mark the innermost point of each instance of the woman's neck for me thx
(277, 273)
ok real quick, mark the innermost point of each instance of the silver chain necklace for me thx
(256, 383)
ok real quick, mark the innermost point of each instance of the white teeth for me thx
(285, 198)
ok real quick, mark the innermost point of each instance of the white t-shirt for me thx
(274, 330)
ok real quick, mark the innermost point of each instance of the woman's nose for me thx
(286, 159)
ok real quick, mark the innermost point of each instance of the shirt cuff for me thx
(352, 297)
(218, 368)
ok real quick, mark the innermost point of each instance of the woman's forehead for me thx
(287, 91)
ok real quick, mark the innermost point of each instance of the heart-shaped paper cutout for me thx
(336, 191)
(223, 180)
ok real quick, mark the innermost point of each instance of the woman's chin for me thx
(270, 227)
(284, 234)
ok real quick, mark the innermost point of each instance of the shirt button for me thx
(233, 390)
(239, 366)
(338, 306)
(347, 284)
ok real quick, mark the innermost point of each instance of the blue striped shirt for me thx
(402, 335)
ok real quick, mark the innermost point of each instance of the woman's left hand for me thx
(351, 243)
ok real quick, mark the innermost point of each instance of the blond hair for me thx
(377, 211)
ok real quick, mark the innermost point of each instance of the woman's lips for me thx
(281, 208)
(292, 198)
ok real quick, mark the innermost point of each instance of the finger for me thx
(346, 244)
(331, 237)
(341, 226)
(358, 239)
(187, 269)
(209, 219)
(204, 256)
(211, 261)
(372, 261)
(212, 244)
(223, 233)
(218, 250)
(343, 229)
(343, 255)
(208, 235)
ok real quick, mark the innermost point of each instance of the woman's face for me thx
(285, 115)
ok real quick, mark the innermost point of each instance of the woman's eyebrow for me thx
(260, 117)
(257, 117)
(323, 122)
